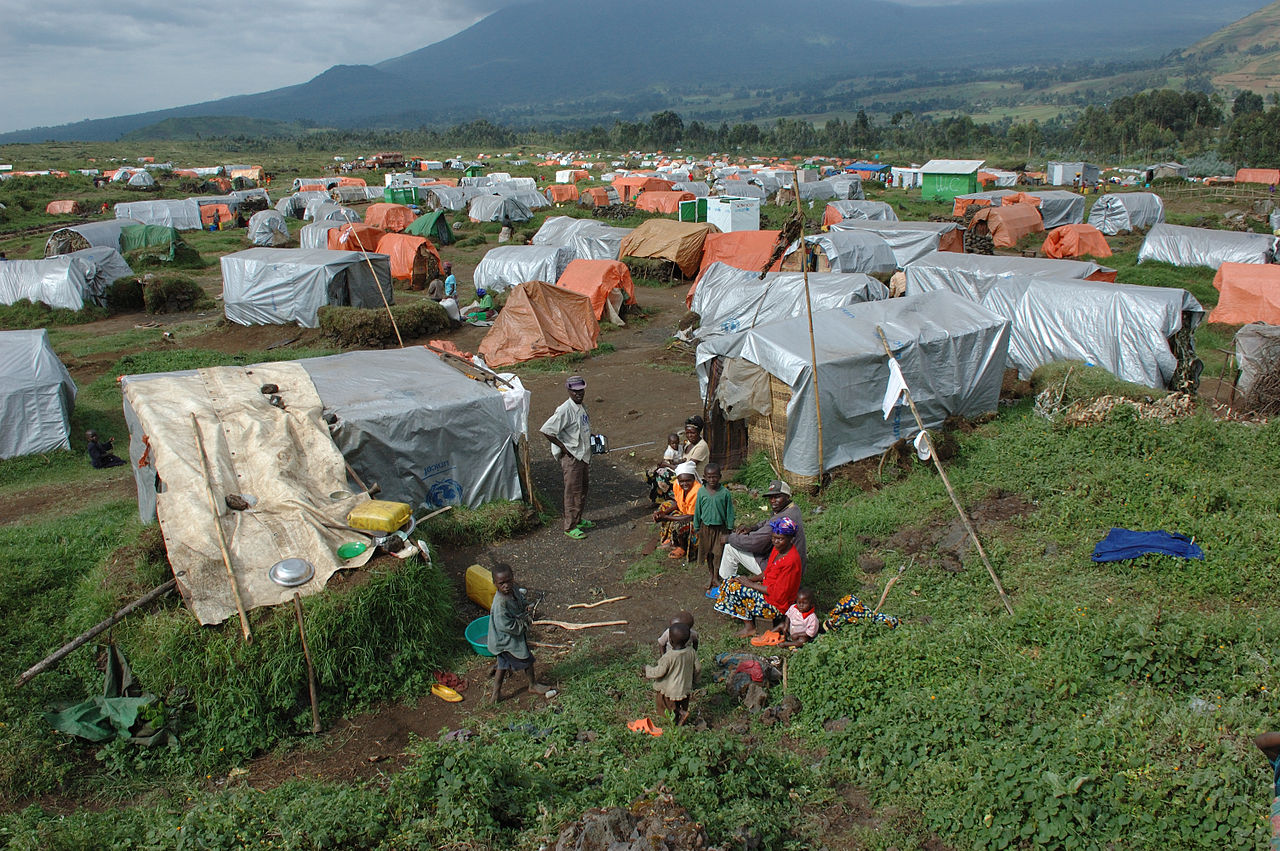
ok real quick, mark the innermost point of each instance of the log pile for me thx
(613, 211)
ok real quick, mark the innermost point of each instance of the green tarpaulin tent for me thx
(158, 242)
(433, 226)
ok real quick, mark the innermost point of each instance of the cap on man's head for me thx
(448, 265)
(576, 382)
(778, 488)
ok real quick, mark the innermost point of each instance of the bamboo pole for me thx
(597, 603)
(813, 346)
(572, 626)
(955, 500)
(222, 538)
(311, 671)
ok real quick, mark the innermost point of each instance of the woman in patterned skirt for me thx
(747, 598)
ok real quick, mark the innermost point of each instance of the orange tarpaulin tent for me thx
(219, 214)
(559, 193)
(1020, 198)
(184, 172)
(1269, 176)
(1248, 292)
(222, 183)
(1007, 224)
(664, 239)
(63, 208)
(312, 187)
(962, 204)
(351, 181)
(741, 249)
(540, 320)
(662, 201)
(596, 196)
(596, 279)
(408, 255)
(389, 217)
(354, 236)
(630, 187)
(1071, 241)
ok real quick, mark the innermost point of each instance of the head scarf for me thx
(689, 468)
(783, 526)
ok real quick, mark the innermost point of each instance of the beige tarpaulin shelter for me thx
(540, 320)
(1007, 223)
(663, 239)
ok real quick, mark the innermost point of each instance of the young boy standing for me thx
(712, 522)
(674, 674)
(509, 621)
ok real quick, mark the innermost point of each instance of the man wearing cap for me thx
(748, 547)
(569, 431)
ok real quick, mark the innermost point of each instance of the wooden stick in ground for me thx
(222, 538)
(311, 671)
(572, 626)
(955, 500)
(884, 595)
(85, 637)
(598, 602)
(813, 346)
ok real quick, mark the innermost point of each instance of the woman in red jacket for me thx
(747, 598)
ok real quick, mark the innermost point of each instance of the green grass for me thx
(562, 363)
(25, 314)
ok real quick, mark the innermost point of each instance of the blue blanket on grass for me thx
(1124, 544)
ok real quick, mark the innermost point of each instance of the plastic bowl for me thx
(478, 635)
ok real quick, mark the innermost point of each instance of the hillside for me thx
(1243, 55)
(581, 61)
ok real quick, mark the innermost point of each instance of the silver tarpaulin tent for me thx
(36, 395)
(498, 208)
(1125, 211)
(588, 239)
(952, 353)
(875, 211)
(89, 235)
(511, 265)
(316, 234)
(61, 281)
(909, 241)
(1059, 207)
(971, 275)
(1257, 352)
(851, 251)
(179, 214)
(1187, 246)
(268, 228)
(276, 286)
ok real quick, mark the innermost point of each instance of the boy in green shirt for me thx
(712, 522)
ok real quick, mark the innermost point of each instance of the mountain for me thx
(580, 61)
(1242, 55)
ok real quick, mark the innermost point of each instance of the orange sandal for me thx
(677, 552)
(769, 639)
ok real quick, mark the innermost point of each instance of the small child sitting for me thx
(686, 618)
(674, 674)
(673, 454)
(800, 623)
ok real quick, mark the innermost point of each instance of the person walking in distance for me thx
(569, 432)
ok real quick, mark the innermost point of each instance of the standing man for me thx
(450, 282)
(569, 431)
(748, 547)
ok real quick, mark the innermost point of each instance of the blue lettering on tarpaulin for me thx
(436, 469)
(897, 422)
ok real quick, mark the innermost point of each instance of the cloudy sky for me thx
(66, 60)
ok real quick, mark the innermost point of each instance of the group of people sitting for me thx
(444, 291)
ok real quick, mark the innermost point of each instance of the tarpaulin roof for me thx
(181, 214)
(633, 185)
(952, 166)
(406, 250)
(910, 240)
(63, 208)
(971, 275)
(596, 279)
(268, 228)
(662, 202)
(994, 198)
(741, 189)
(1124, 211)
(729, 299)
(296, 205)
(1187, 246)
(742, 249)
(90, 234)
(1258, 175)
(103, 267)
(509, 265)
(389, 217)
(1247, 292)
(318, 211)
(540, 320)
(698, 187)
(434, 226)
(1059, 207)
(1075, 241)
(558, 193)
(838, 211)
(60, 281)
(1008, 224)
(1123, 328)
(36, 395)
(275, 286)
(354, 236)
(1257, 352)
(316, 234)
(588, 239)
(951, 351)
(449, 197)
(679, 242)
(498, 208)
(851, 251)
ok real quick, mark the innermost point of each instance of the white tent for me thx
(295, 206)
(850, 251)
(588, 239)
(1118, 212)
(508, 266)
(1065, 174)
(876, 211)
(498, 208)
(180, 214)
(972, 275)
(319, 210)
(1003, 178)
(140, 180)
(909, 240)
(1187, 246)
(1059, 207)
(446, 197)
(276, 286)
(907, 178)
(36, 395)
(268, 228)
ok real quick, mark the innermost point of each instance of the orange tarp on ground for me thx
(389, 217)
(354, 236)
(1071, 241)
(1248, 292)
(662, 202)
(540, 320)
(1269, 176)
(741, 249)
(351, 181)
(664, 239)
(559, 193)
(595, 279)
(1020, 198)
(408, 255)
(1007, 224)
(630, 187)
(219, 213)
(63, 208)
(596, 196)
(962, 204)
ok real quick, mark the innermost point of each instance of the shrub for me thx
(173, 295)
(25, 313)
(125, 295)
(363, 328)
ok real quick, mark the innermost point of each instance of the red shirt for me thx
(782, 578)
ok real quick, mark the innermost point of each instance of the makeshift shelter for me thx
(906, 178)
(498, 208)
(910, 240)
(508, 266)
(1268, 176)
(951, 353)
(729, 299)
(64, 208)
(1070, 241)
(61, 281)
(1059, 207)
(629, 187)
(89, 235)
(1247, 292)
(597, 196)
(103, 267)
(158, 241)
(182, 215)
(680, 243)
(562, 193)
(276, 286)
(216, 216)
(1068, 174)
(413, 258)
(839, 211)
(972, 275)
(698, 187)
(391, 218)
(997, 177)
(350, 194)
(1166, 171)
(1118, 212)
(540, 320)
(440, 197)
(606, 282)
(354, 236)
(434, 226)
(316, 234)
(268, 228)
(741, 249)
(1007, 224)
(943, 180)
(295, 206)
(588, 239)
(741, 189)
(1187, 246)
(662, 202)
(319, 210)
(994, 198)
(140, 180)
(37, 395)
(1124, 328)
(1257, 349)
(843, 251)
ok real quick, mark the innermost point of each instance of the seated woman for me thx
(695, 449)
(769, 596)
(676, 514)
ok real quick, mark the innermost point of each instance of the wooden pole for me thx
(311, 671)
(955, 500)
(83, 638)
(222, 538)
(813, 346)
(385, 303)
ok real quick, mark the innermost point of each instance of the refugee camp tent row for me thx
(680, 243)
(972, 275)
(37, 395)
(843, 251)
(1059, 207)
(728, 299)
(910, 241)
(178, 214)
(1247, 292)
(507, 266)
(540, 320)
(88, 235)
(276, 286)
(268, 228)
(428, 435)
(951, 351)
(839, 211)
(1187, 246)
(1119, 212)
(606, 282)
